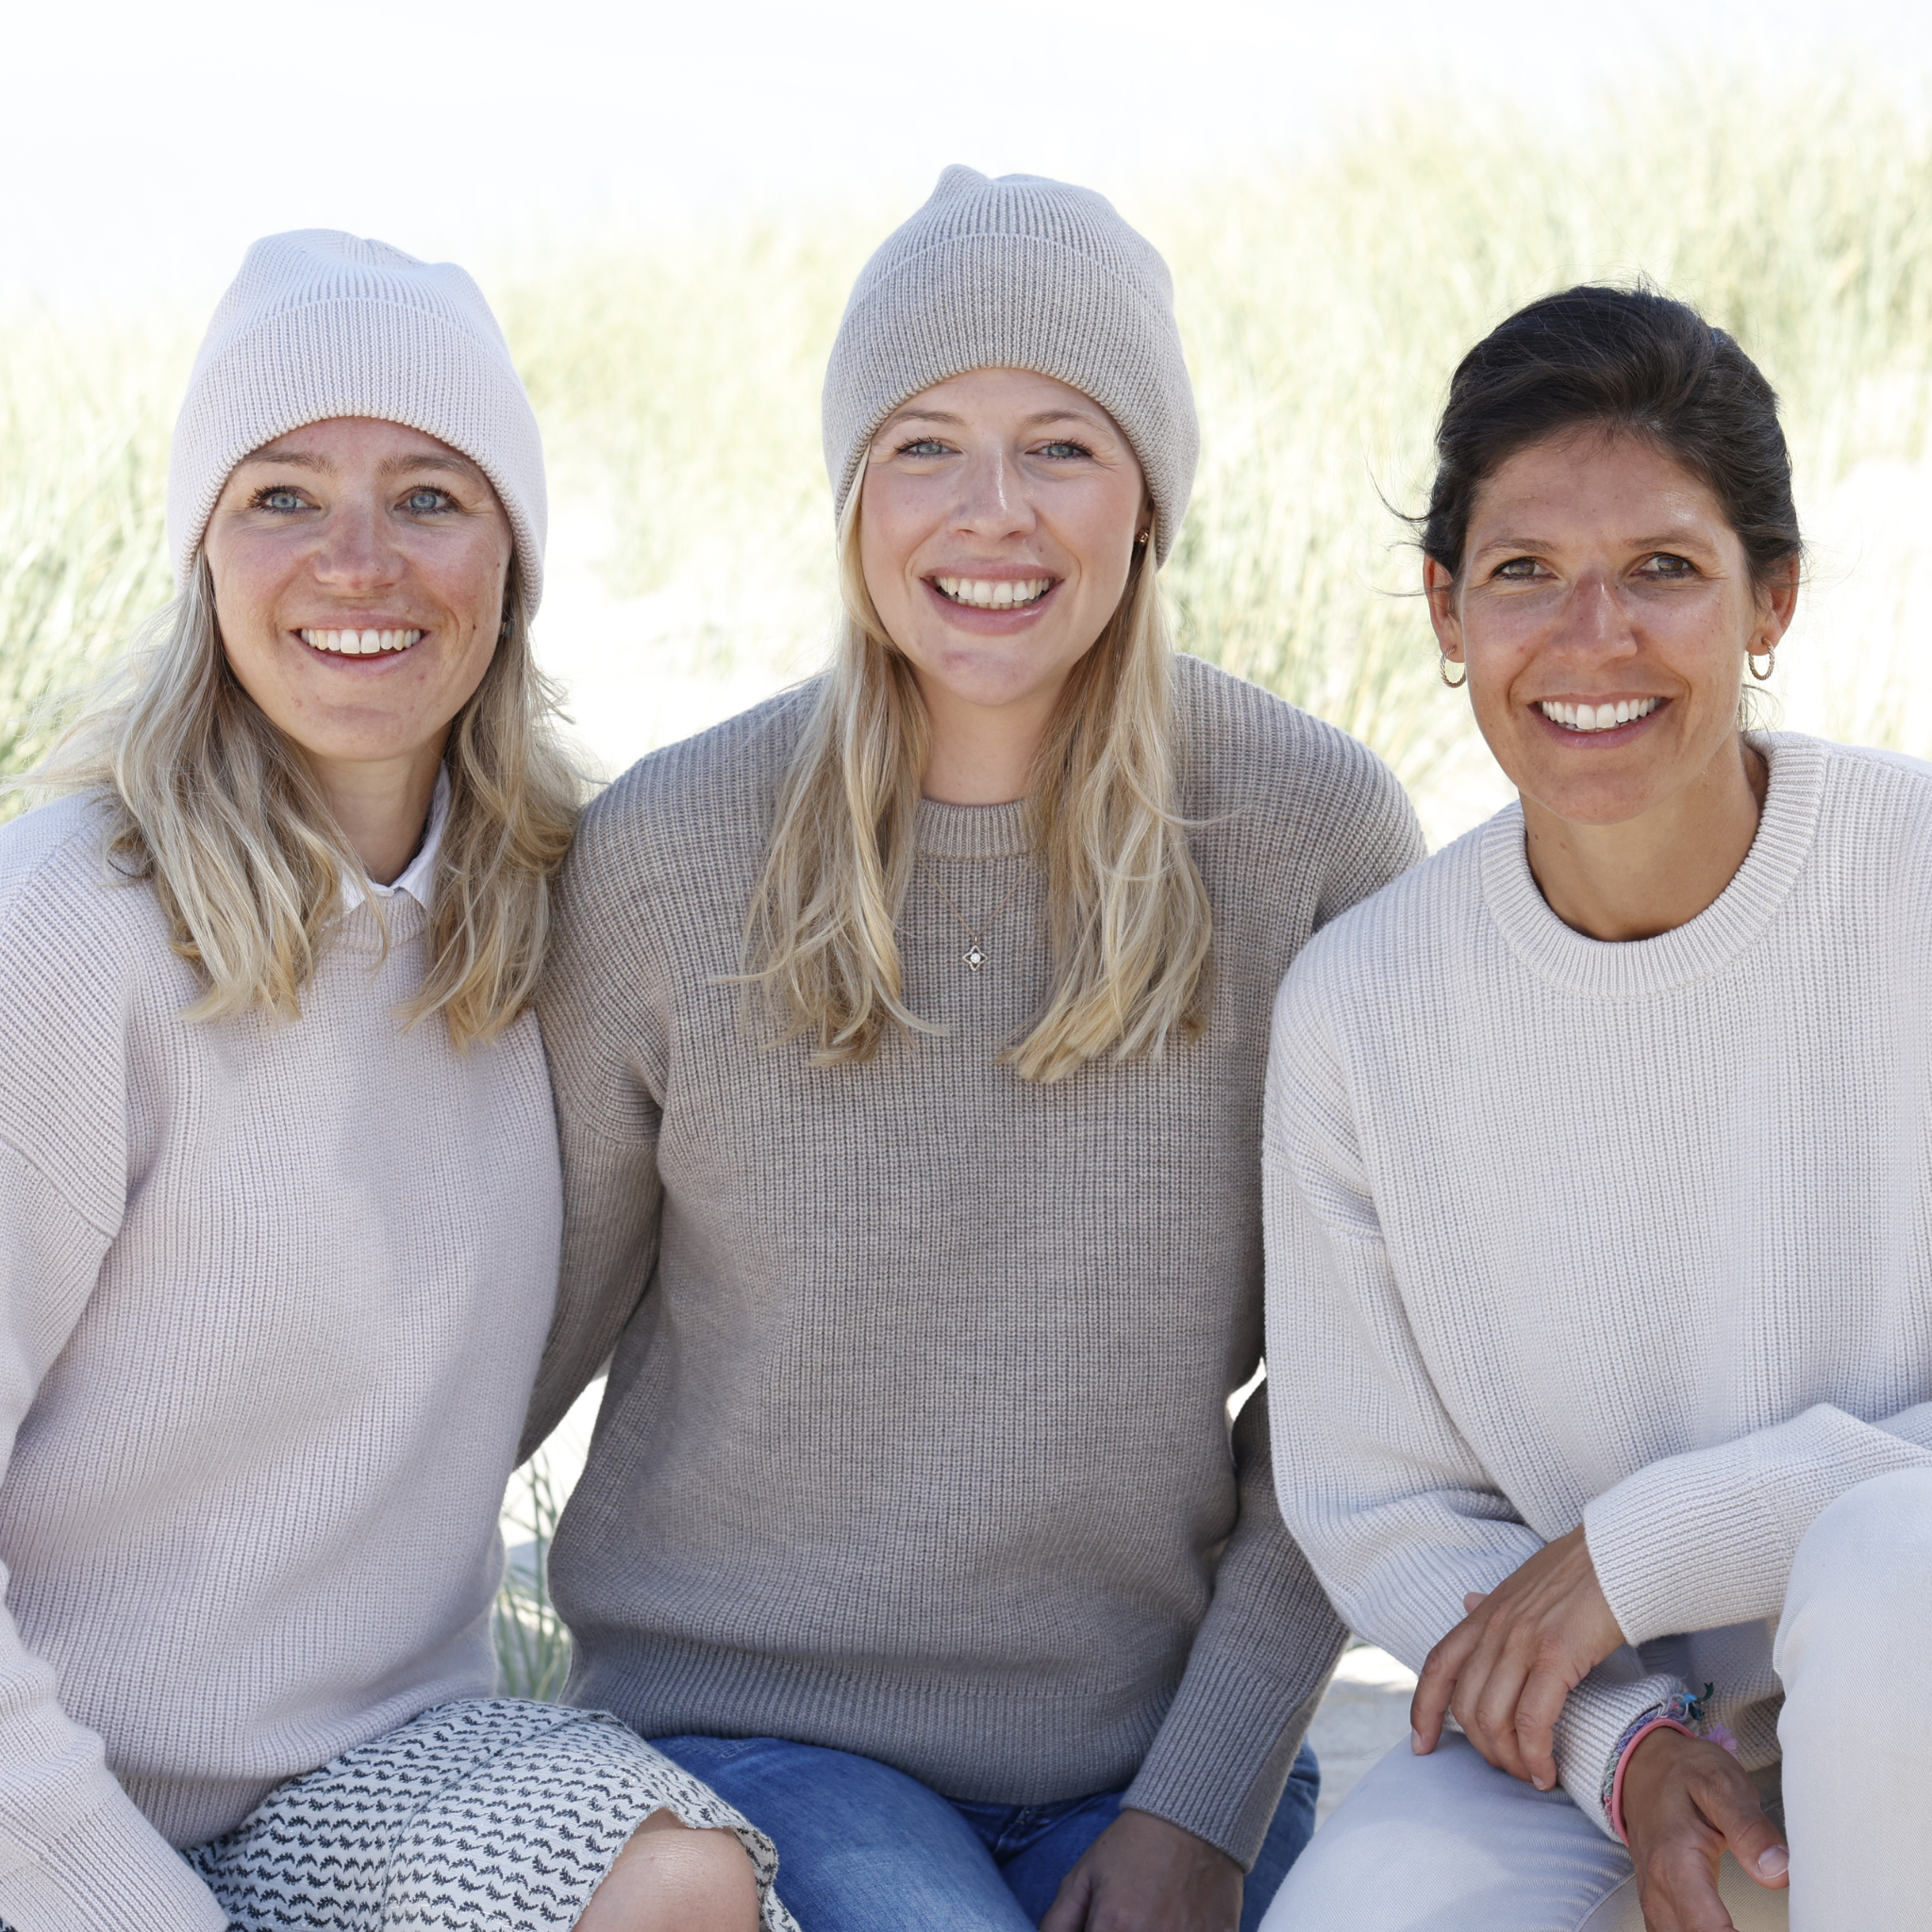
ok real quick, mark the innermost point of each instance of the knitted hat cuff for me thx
(1085, 302)
(362, 353)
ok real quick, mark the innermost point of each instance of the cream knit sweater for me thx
(1634, 1236)
(274, 1297)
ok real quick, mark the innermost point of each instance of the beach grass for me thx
(1324, 305)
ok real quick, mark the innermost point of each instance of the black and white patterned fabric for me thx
(489, 1815)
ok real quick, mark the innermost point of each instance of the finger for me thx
(1474, 1602)
(1442, 1669)
(1493, 1704)
(1730, 1803)
(1538, 1709)
(1068, 1912)
(1680, 1892)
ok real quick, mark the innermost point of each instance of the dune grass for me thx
(1323, 306)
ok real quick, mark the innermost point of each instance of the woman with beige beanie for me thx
(907, 1036)
(278, 1187)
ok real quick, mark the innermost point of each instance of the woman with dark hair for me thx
(1599, 1204)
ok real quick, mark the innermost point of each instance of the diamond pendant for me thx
(974, 957)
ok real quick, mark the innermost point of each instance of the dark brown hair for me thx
(1632, 363)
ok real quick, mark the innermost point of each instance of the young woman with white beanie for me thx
(278, 1187)
(1599, 1184)
(908, 1035)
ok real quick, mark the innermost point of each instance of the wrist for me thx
(1684, 1715)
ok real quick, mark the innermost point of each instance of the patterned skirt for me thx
(489, 1815)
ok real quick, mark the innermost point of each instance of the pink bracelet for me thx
(1636, 1738)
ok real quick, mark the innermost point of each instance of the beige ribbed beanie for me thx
(1019, 273)
(319, 323)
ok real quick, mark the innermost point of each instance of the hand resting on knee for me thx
(1685, 1803)
(672, 1877)
(1143, 1874)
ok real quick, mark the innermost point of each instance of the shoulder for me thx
(698, 803)
(58, 890)
(1238, 740)
(1281, 790)
(1856, 775)
(1417, 930)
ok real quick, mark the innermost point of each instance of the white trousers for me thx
(1444, 1843)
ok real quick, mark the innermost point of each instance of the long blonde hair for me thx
(1129, 916)
(218, 811)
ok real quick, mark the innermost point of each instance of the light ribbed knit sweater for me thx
(274, 1294)
(1635, 1235)
(918, 1447)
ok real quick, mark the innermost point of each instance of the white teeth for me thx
(360, 643)
(1597, 717)
(1003, 594)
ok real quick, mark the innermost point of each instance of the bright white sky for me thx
(144, 145)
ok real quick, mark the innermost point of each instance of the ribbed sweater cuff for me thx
(1595, 1716)
(111, 1872)
(1708, 1539)
(1222, 1759)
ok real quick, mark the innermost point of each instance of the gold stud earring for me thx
(1142, 537)
(1443, 672)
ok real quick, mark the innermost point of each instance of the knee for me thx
(672, 1877)
(1862, 1572)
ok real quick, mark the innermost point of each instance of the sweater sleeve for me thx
(1394, 1508)
(1263, 1655)
(1708, 1539)
(76, 1855)
(1257, 1670)
(603, 1043)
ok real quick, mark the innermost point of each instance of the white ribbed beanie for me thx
(319, 323)
(1020, 272)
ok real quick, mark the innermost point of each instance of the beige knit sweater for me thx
(918, 1447)
(274, 1295)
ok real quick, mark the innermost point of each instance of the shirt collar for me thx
(418, 878)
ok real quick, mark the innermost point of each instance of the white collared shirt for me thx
(417, 878)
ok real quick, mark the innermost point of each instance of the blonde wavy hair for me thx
(1129, 916)
(218, 811)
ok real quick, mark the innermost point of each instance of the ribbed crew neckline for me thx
(973, 831)
(1638, 969)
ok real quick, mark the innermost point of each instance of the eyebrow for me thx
(1038, 420)
(1683, 537)
(397, 466)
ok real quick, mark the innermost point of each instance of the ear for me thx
(1445, 610)
(1777, 603)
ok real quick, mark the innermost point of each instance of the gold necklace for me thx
(974, 956)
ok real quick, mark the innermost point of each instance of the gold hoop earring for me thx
(1770, 663)
(1443, 672)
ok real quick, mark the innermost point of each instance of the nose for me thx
(358, 551)
(992, 501)
(1594, 622)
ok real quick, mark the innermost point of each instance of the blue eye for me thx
(923, 446)
(426, 502)
(1064, 450)
(280, 502)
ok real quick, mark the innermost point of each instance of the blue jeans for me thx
(864, 1848)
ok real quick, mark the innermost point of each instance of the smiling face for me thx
(1603, 609)
(359, 572)
(999, 520)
